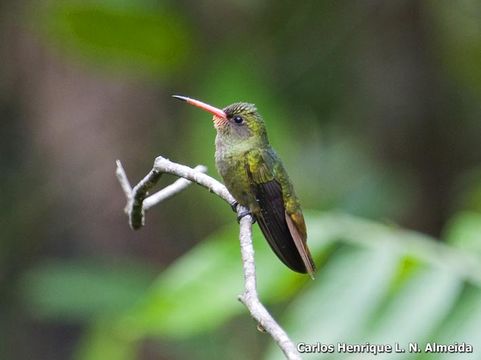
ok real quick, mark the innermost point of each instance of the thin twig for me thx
(123, 180)
(139, 193)
(137, 203)
(211, 184)
(171, 190)
(250, 298)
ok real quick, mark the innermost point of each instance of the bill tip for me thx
(180, 97)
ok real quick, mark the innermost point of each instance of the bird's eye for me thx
(238, 119)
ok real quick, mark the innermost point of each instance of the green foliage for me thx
(134, 36)
(464, 231)
(104, 341)
(198, 292)
(79, 291)
(386, 285)
(374, 284)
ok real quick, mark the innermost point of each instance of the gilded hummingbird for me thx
(256, 178)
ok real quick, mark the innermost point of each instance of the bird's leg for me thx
(245, 213)
(242, 214)
(234, 206)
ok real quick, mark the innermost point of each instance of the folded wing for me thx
(282, 230)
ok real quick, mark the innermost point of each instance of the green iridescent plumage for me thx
(256, 177)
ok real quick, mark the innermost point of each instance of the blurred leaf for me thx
(80, 290)
(136, 38)
(326, 310)
(378, 287)
(373, 285)
(103, 342)
(429, 295)
(464, 231)
(196, 293)
(462, 324)
(199, 291)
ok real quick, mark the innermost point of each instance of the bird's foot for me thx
(245, 213)
(234, 206)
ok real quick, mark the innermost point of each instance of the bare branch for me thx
(211, 184)
(137, 203)
(123, 180)
(171, 190)
(139, 193)
(250, 298)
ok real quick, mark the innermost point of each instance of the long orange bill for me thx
(209, 108)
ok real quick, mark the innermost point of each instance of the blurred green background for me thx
(375, 107)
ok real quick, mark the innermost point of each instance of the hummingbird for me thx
(255, 176)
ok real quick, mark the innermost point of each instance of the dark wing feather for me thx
(274, 226)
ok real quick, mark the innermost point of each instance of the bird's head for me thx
(239, 121)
